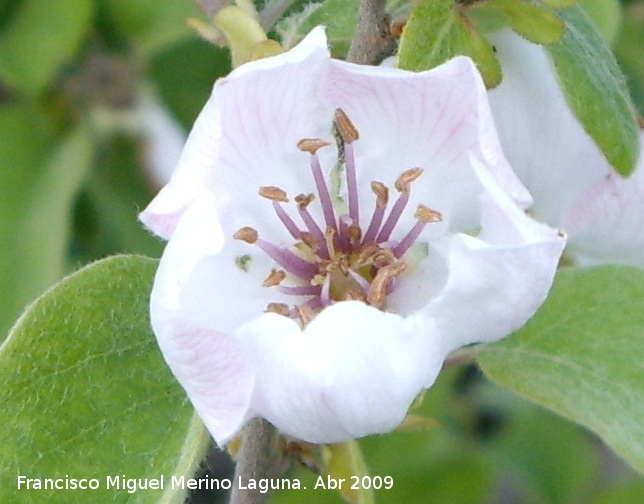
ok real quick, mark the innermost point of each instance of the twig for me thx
(260, 456)
(372, 41)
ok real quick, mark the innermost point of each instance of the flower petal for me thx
(606, 223)
(545, 144)
(495, 282)
(353, 371)
(434, 120)
(211, 366)
(217, 154)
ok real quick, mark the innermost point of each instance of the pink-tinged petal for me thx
(267, 109)
(209, 364)
(496, 281)
(606, 223)
(353, 371)
(543, 141)
(434, 120)
(199, 156)
(244, 137)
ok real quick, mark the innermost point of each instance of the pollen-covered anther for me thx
(279, 308)
(273, 193)
(347, 130)
(311, 145)
(305, 314)
(247, 234)
(382, 193)
(309, 240)
(304, 200)
(383, 258)
(406, 178)
(354, 295)
(428, 215)
(275, 277)
(378, 290)
(355, 234)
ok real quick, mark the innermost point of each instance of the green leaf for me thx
(606, 15)
(38, 187)
(340, 18)
(86, 393)
(580, 355)
(438, 30)
(532, 21)
(41, 37)
(596, 90)
(559, 4)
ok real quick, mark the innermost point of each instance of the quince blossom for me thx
(335, 231)
(573, 186)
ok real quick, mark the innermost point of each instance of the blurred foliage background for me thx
(96, 97)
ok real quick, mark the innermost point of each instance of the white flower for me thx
(304, 313)
(573, 186)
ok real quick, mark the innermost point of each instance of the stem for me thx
(259, 457)
(372, 41)
(272, 11)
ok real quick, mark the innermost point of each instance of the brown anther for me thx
(367, 253)
(383, 258)
(382, 193)
(274, 278)
(303, 200)
(246, 234)
(305, 313)
(354, 295)
(355, 234)
(406, 178)
(347, 130)
(279, 308)
(426, 214)
(378, 289)
(273, 193)
(311, 145)
(309, 240)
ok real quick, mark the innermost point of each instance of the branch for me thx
(372, 41)
(260, 456)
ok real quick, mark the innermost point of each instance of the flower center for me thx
(337, 261)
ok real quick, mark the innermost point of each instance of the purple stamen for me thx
(315, 230)
(409, 239)
(364, 284)
(288, 260)
(325, 296)
(289, 224)
(300, 290)
(323, 193)
(394, 216)
(374, 225)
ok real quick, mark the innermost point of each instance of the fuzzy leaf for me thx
(438, 30)
(580, 356)
(85, 392)
(596, 90)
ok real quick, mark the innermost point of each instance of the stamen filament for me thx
(394, 215)
(300, 290)
(289, 224)
(288, 260)
(382, 198)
